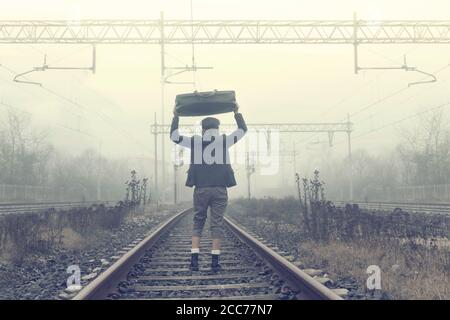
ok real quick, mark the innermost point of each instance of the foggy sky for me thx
(274, 83)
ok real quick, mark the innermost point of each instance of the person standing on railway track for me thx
(211, 173)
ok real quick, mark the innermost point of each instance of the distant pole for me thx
(99, 169)
(163, 82)
(250, 168)
(350, 160)
(155, 132)
(177, 163)
(295, 158)
(249, 194)
(144, 191)
(355, 42)
(175, 185)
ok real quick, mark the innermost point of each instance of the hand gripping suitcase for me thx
(205, 103)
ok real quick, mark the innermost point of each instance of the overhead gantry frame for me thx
(163, 32)
(225, 31)
(329, 128)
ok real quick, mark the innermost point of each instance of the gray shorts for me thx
(215, 198)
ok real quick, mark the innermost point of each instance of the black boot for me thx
(194, 262)
(215, 266)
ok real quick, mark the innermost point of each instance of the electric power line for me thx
(441, 106)
(391, 95)
(400, 103)
(102, 116)
(53, 124)
(380, 100)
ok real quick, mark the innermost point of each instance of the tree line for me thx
(27, 158)
(421, 158)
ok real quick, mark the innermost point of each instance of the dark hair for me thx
(210, 123)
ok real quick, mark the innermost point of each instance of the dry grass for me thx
(24, 234)
(72, 240)
(411, 249)
(408, 271)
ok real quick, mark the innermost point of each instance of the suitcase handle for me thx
(206, 94)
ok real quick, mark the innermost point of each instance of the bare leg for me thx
(216, 244)
(196, 242)
(218, 205)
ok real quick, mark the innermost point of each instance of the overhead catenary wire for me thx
(348, 97)
(51, 123)
(392, 94)
(441, 106)
(77, 50)
(340, 102)
(194, 78)
(308, 139)
(386, 57)
(99, 114)
(377, 102)
(22, 88)
(402, 102)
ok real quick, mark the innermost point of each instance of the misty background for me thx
(84, 132)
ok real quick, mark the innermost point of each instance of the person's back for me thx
(211, 173)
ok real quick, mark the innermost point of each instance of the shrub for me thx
(25, 233)
(345, 223)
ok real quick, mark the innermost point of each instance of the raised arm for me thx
(239, 133)
(175, 135)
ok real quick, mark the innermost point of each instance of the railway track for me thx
(410, 207)
(9, 208)
(157, 268)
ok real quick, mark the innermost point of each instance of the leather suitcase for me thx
(205, 103)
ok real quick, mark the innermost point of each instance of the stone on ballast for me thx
(104, 262)
(66, 296)
(324, 281)
(290, 258)
(73, 289)
(342, 292)
(312, 272)
(89, 276)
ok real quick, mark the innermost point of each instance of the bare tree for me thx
(24, 152)
(425, 150)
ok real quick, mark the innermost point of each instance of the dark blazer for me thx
(210, 160)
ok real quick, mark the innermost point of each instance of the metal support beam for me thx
(163, 83)
(225, 31)
(350, 159)
(267, 127)
(156, 188)
(355, 42)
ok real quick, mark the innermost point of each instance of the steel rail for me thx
(413, 207)
(108, 280)
(297, 279)
(10, 208)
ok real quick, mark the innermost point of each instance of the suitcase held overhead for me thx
(205, 103)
